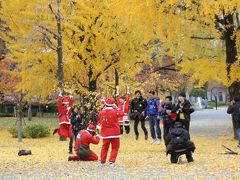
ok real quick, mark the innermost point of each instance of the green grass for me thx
(8, 122)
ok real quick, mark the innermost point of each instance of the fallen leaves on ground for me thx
(136, 160)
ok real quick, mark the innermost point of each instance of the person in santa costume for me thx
(65, 108)
(110, 130)
(82, 146)
(123, 104)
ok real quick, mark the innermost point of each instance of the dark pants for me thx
(73, 138)
(174, 156)
(166, 129)
(127, 129)
(185, 124)
(136, 121)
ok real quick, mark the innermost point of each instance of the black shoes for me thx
(137, 136)
(146, 136)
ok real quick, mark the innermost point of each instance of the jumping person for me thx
(123, 104)
(110, 131)
(153, 116)
(82, 146)
(64, 108)
(138, 108)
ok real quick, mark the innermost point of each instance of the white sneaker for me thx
(153, 141)
(158, 141)
(111, 164)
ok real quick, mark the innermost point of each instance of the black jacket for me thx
(170, 143)
(185, 109)
(234, 110)
(76, 122)
(138, 105)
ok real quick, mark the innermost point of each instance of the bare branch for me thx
(48, 30)
(202, 38)
(51, 9)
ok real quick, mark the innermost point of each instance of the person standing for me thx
(206, 103)
(138, 108)
(123, 104)
(183, 110)
(77, 125)
(234, 110)
(82, 146)
(110, 131)
(153, 116)
(168, 117)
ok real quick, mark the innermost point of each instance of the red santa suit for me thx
(64, 109)
(124, 108)
(85, 137)
(110, 130)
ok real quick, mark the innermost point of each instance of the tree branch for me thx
(48, 30)
(202, 38)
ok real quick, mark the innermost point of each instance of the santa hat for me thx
(66, 100)
(110, 102)
(91, 127)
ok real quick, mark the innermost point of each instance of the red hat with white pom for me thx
(91, 127)
(110, 102)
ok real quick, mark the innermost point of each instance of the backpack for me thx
(178, 138)
(83, 151)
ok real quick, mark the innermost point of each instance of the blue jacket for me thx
(153, 107)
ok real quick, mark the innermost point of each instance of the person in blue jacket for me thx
(153, 116)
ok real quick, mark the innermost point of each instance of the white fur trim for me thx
(128, 93)
(64, 122)
(90, 130)
(106, 108)
(109, 137)
(99, 127)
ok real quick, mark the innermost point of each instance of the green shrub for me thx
(31, 131)
(14, 132)
(37, 130)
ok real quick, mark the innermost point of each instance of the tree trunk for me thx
(59, 47)
(19, 110)
(116, 80)
(39, 110)
(29, 111)
(231, 56)
(93, 85)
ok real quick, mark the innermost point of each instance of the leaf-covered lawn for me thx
(136, 160)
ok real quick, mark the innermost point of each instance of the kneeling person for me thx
(82, 148)
(178, 143)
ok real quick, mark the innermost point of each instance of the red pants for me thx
(115, 143)
(65, 130)
(92, 157)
